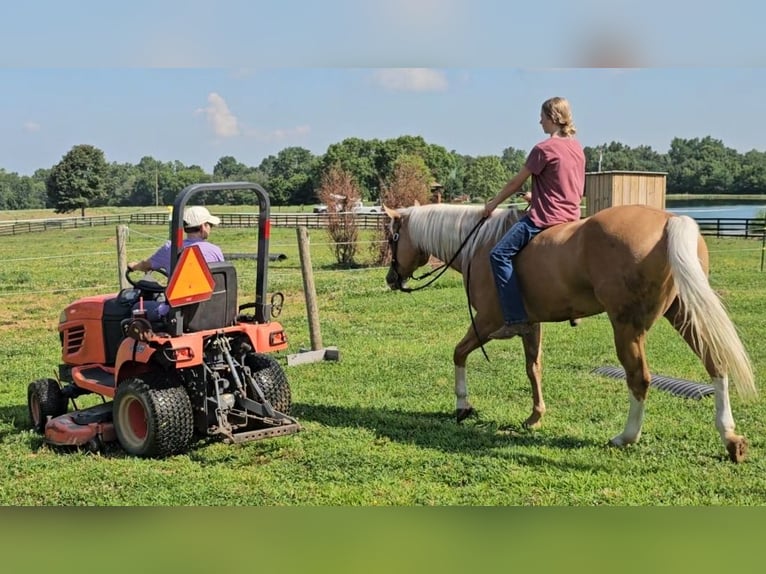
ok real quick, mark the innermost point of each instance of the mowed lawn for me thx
(378, 424)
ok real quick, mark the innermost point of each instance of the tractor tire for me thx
(152, 422)
(271, 378)
(45, 399)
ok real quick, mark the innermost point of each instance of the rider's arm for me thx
(513, 186)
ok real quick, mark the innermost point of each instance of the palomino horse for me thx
(633, 262)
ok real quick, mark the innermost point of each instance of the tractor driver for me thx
(198, 222)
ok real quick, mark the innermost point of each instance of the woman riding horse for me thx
(557, 167)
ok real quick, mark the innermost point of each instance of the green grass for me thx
(378, 425)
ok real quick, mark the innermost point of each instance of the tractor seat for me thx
(221, 309)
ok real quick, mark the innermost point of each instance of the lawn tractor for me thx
(202, 369)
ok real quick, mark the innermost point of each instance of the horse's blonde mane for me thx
(441, 228)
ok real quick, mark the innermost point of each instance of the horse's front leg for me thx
(463, 407)
(533, 344)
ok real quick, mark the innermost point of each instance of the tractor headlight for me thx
(62, 317)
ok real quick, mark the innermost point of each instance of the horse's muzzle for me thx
(394, 280)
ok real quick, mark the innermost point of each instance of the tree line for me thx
(84, 178)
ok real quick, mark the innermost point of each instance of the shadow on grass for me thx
(16, 417)
(423, 429)
(441, 431)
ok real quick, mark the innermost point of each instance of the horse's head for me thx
(406, 256)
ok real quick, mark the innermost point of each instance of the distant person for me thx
(198, 222)
(557, 167)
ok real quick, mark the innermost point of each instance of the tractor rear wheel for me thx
(271, 378)
(45, 399)
(150, 421)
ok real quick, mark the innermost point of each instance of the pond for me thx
(715, 209)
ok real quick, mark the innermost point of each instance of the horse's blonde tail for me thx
(704, 311)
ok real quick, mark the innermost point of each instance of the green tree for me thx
(389, 151)
(120, 183)
(443, 166)
(357, 158)
(616, 156)
(229, 169)
(410, 182)
(701, 166)
(77, 181)
(291, 176)
(485, 177)
(175, 176)
(752, 175)
(148, 182)
(513, 160)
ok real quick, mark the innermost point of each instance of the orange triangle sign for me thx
(191, 281)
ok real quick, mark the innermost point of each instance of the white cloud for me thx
(226, 125)
(32, 127)
(411, 79)
(221, 120)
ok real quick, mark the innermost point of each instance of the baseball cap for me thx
(197, 215)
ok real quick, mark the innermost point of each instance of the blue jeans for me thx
(506, 278)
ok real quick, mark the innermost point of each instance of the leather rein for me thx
(441, 270)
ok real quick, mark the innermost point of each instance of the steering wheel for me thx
(148, 283)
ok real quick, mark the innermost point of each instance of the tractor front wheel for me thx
(150, 421)
(45, 399)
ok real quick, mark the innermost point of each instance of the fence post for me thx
(317, 353)
(309, 290)
(122, 258)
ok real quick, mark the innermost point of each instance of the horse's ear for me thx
(417, 203)
(392, 213)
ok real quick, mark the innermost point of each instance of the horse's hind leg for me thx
(533, 356)
(736, 445)
(629, 342)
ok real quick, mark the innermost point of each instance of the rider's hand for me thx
(527, 197)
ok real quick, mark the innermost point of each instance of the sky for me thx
(195, 81)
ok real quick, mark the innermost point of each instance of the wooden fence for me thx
(731, 227)
(290, 220)
(715, 227)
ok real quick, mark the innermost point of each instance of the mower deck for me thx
(81, 427)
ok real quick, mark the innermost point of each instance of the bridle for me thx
(394, 239)
(441, 270)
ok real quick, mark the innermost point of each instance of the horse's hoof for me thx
(462, 414)
(737, 449)
(530, 424)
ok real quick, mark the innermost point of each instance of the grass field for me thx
(378, 426)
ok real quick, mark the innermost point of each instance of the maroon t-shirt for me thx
(558, 181)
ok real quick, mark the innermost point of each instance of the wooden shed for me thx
(609, 188)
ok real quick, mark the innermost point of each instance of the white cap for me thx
(197, 215)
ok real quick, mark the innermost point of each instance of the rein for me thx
(395, 238)
(441, 270)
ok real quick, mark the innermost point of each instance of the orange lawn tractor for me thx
(201, 370)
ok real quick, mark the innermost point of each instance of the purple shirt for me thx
(558, 181)
(161, 258)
